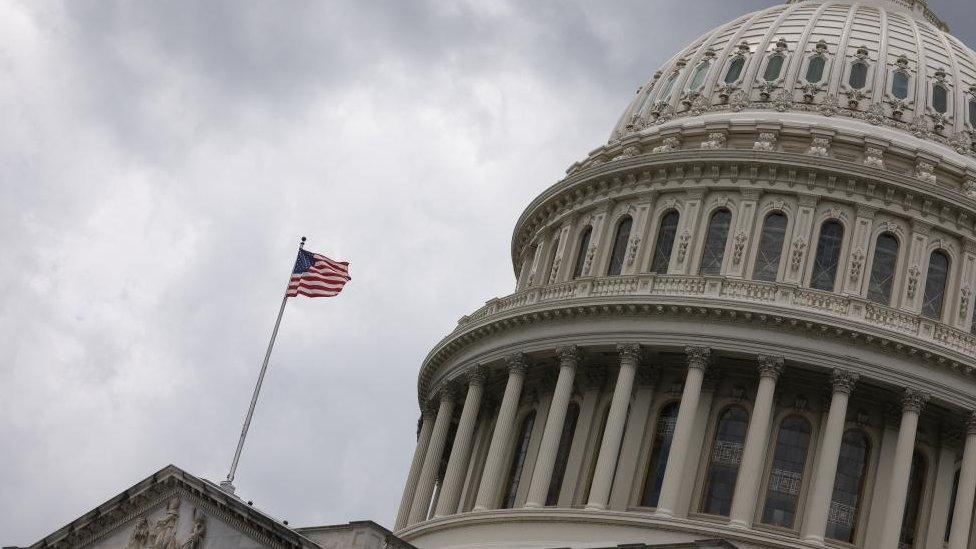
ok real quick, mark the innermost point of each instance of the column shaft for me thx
(542, 475)
(815, 523)
(900, 471)
(435, 450)
(410, 486)
(745, 498)
(457, 465)
(613, 432)
(966, 491)
(684, 424)
(500, 438)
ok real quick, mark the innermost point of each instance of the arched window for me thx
(666, 420)
(815, 69)
(584, 246)
(665, 242)
(786, 475)
(952, 506)
(666, 90)
(562, 454)
(826, 261)
(845, 504)
(859, 75)
(972, 112)
(723, 469)
(698, 77)
(518, 461)
(899, 84)
(774, 66)
(940, 98)
(715, 240)
(913, 502)
(735, 70)
(935, 285)
(883, 269)
(770, 247)
(620, 246)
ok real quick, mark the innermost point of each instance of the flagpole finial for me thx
(302, 245)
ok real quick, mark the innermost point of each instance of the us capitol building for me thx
(746, 321)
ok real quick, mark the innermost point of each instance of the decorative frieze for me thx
(765, 143)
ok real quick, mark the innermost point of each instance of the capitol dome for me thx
(747, 320)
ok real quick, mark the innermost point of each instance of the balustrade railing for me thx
(718, 289)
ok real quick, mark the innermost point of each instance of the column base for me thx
(532, 505)
(596, 507)
(664, 513)
(814, 540)
(739, 524)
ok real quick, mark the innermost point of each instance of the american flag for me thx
(315, 275)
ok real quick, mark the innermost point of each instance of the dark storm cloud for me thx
(158, 161)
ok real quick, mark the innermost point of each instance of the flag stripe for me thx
(315, 275)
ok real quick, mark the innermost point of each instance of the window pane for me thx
(913, 503)
(773, 67)
(518, 461)
(828, 256)
(584, 245)
(786, 475)
(815, 69)
(698, 79)
(859, 76)
(940, 98)
(562, 454)
(666, 91)
(666, 420)
(899, 85)
(883, 269)
(726, 456)
(972, 112)
(715, 239)
(620, 246)
(770, 248)
(735, 70)
(935, 285)
(665, 242)
(845, 504)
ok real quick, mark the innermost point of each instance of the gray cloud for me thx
(158, 162)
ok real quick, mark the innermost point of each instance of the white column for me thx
(457, 464)
(500, 438)
(911, 406)
(606, 463)
(410, 487)
(746, 498)
(432, 461)
(815, 523)
(569, 358)
(687, 410)
(963, 512)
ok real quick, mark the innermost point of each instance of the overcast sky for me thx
(158, 163)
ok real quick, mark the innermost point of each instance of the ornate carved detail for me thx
(569, 353)
(630, 352)
(913, 401)
(796, 256)
(726, 90)
(913, 273)
(554, 271)
(874, 158)
(830, 105)
(588, 260)
(716, 140)
(899, 107)
(699, 105)
(518, 363)
(857, 264)
(961, 142)
(628, 152)
(698, 357)
(971, 423)
(477, 376)
(632, 248)
(766, 89)
(783, 100)
(766, 142)
(843, 381)
(683, 241)
(162, 533)
(940, 121)
(739, 246)
(770, 366)
(854, 98)
(970, 188)
(919, 127)
(668, 144)
(820, 146)
(810, 91)
(924, 172)
(739, 101)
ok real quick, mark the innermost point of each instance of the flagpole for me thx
(228, 484)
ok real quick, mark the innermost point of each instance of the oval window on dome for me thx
(735, 70)
(940, 98)
(666, 90)
(774, 66)
(815, 69)
(698, 78)
(859, 76)
(899, 85)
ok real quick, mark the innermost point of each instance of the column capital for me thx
(429, 410)
(770, 366)
(518, 363)
(478, 375)
(698, 357)
(971, 423)
(843, 381)
(569, 354)
(913, 401)
(630, 352)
